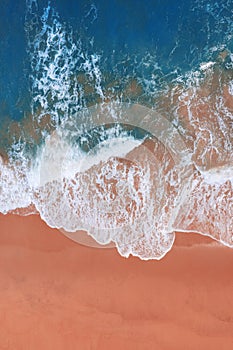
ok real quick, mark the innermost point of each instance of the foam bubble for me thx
(206, 65)
(218, 175)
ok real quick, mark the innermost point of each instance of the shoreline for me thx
(55, 293)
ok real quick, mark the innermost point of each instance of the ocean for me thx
(117, 118)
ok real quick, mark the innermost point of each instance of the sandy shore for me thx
(56, 294)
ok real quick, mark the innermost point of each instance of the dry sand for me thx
(57, 294)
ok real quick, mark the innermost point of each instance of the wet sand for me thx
(56, 294)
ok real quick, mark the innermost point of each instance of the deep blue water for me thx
(177, 35)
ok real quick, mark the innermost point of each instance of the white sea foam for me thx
(15, 191)
(58, 159)
(230, 87)
(218, 175)
(206, 65)
(119, 147)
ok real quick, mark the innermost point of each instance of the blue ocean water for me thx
(60, 61)
(177, 36)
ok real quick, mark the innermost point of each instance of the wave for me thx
(127, 161)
